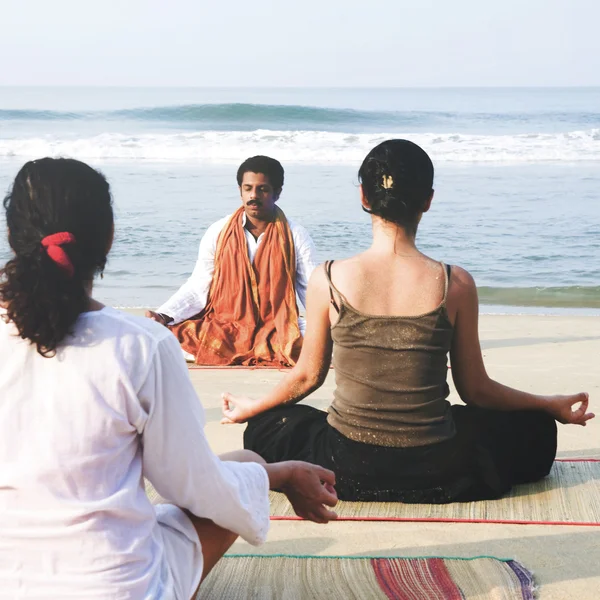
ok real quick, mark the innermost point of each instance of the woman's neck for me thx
(93, 305)
(393, 239)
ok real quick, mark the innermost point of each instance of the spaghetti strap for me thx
(331, 288)
(447, 272)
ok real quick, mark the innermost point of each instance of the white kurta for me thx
(78, 432)
(192, 296)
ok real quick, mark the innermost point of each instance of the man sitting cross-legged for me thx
(239, 305)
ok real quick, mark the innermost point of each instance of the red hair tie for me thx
(52, 244)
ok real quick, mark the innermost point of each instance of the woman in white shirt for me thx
(94, 400)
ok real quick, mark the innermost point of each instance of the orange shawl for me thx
(251, 316)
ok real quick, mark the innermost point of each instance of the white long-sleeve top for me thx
(192, 296)
(78, 432)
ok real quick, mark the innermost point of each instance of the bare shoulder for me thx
(461, 279)
(348, 266)
(348, 274)
(462, 291)
(342, 271)
(318, 291)
(318, 278)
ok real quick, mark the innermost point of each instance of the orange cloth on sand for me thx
(251, 316)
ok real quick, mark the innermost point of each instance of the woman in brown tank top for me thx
(392, 316)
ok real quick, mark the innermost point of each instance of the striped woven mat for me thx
(570, 495)
(194, 367)
(280, 577)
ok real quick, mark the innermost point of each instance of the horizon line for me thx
(304, 87)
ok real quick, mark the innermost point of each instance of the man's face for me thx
(258, 195)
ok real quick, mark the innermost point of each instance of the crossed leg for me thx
(216, 540)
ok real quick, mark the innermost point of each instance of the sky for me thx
(321, 43)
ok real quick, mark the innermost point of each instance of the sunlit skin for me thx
(258, 199)
(392, 278)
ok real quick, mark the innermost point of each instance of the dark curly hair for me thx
(397, 181)
(50, 196)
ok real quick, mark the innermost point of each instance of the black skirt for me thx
(491, 451)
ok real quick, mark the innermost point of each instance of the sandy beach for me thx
(535, 353)
(508, 111)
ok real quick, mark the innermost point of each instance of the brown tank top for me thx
(391, 374)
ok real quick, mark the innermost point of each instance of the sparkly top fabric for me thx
(391, 374)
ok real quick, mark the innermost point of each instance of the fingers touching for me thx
(228, 409)
(580, 416)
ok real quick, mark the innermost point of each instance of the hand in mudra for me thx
(561, 408)
(237, 409)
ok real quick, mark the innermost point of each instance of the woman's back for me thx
(376, 283)
(74, 516)
(391, 341)
(390, 433)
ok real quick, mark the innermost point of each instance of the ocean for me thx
(517, 176)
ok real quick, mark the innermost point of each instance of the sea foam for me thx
(307, 146)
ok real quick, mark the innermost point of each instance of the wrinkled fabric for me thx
(491, 451)
(251, 317)
(191, 298)
(79, 432)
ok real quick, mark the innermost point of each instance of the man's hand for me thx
(237, 409)
(158, 317)
(309, 488)
(561, 408)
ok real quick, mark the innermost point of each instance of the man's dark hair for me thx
(262, 164)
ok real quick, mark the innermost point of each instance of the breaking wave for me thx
(307, 146)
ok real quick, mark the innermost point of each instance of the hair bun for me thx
(397, 180)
